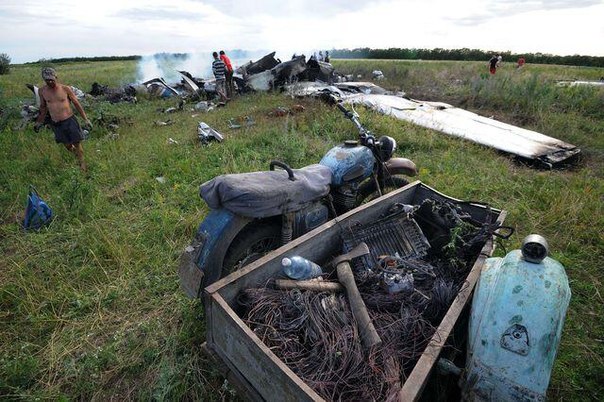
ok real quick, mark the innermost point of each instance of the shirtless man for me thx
(54, 99)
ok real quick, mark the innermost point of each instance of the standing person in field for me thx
(228, 74)
(219, 70)
(493, 64)
(521, 62)
(55, 99)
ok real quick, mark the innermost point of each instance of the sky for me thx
(31, 30)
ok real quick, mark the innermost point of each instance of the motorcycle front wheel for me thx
(368, 190)
(252, 243)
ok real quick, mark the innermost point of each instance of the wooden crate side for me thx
(233, 376)
(242, 351)
(414, 385)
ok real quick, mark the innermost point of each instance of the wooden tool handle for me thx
(317, 286)
(369, 335)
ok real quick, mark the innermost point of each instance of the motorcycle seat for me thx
(267, 193)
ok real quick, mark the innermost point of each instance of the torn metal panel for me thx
(265, 63)
(286, 71)
(160, 82)
(575, 83)
(206, 133)
(191, 85)
(36, 92)
(362, 87)
(470, 126)
(306, 88)
(319, 71)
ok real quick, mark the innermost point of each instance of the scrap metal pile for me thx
(416, 261)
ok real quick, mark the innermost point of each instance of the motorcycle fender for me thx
(201, 262)
(403, 166)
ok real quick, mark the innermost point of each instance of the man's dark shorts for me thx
(67, 131)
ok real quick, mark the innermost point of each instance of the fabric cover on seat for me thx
(269, 193)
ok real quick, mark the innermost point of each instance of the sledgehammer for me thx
(369, 335)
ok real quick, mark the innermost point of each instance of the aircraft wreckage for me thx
(447, 119)
(301, 77)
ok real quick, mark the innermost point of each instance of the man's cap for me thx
(49, 73)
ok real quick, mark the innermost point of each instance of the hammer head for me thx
(358, 251)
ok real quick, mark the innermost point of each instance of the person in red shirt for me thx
(521, 62)
(229, 73)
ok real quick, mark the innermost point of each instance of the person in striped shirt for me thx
(219, 70)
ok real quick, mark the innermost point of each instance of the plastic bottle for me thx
(297, 267)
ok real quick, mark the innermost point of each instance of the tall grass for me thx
(90, 306)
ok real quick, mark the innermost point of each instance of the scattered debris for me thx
(203, 106)
(378, 75)
(236, 124)
(161, 179)
(206, 133)
(172, 141)
(164, 123)
(126, 93)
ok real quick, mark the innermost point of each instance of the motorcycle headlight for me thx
(387, 146)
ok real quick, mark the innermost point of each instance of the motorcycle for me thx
(254, 213)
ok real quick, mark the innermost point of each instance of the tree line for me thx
(464, 54)
(84, 59)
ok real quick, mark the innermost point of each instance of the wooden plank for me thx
(233, 376)
(414, 385)
(240, 348)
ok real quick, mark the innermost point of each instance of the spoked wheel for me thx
(251, 244)
(368, 190)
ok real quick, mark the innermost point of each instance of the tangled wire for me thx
(315, 333)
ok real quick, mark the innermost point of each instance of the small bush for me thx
(4, 63)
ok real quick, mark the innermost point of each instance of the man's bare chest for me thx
(55, 96)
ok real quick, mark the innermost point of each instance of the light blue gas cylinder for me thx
(515, 325)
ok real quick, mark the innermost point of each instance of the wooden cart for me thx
(253, 369)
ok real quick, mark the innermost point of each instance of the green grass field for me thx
(90, 307)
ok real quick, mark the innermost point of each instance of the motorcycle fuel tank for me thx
(515, 326)
(348, 162)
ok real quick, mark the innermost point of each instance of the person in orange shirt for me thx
(228, 73)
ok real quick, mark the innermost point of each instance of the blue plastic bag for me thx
(37, 212)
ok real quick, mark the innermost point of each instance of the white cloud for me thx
(33, 29)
